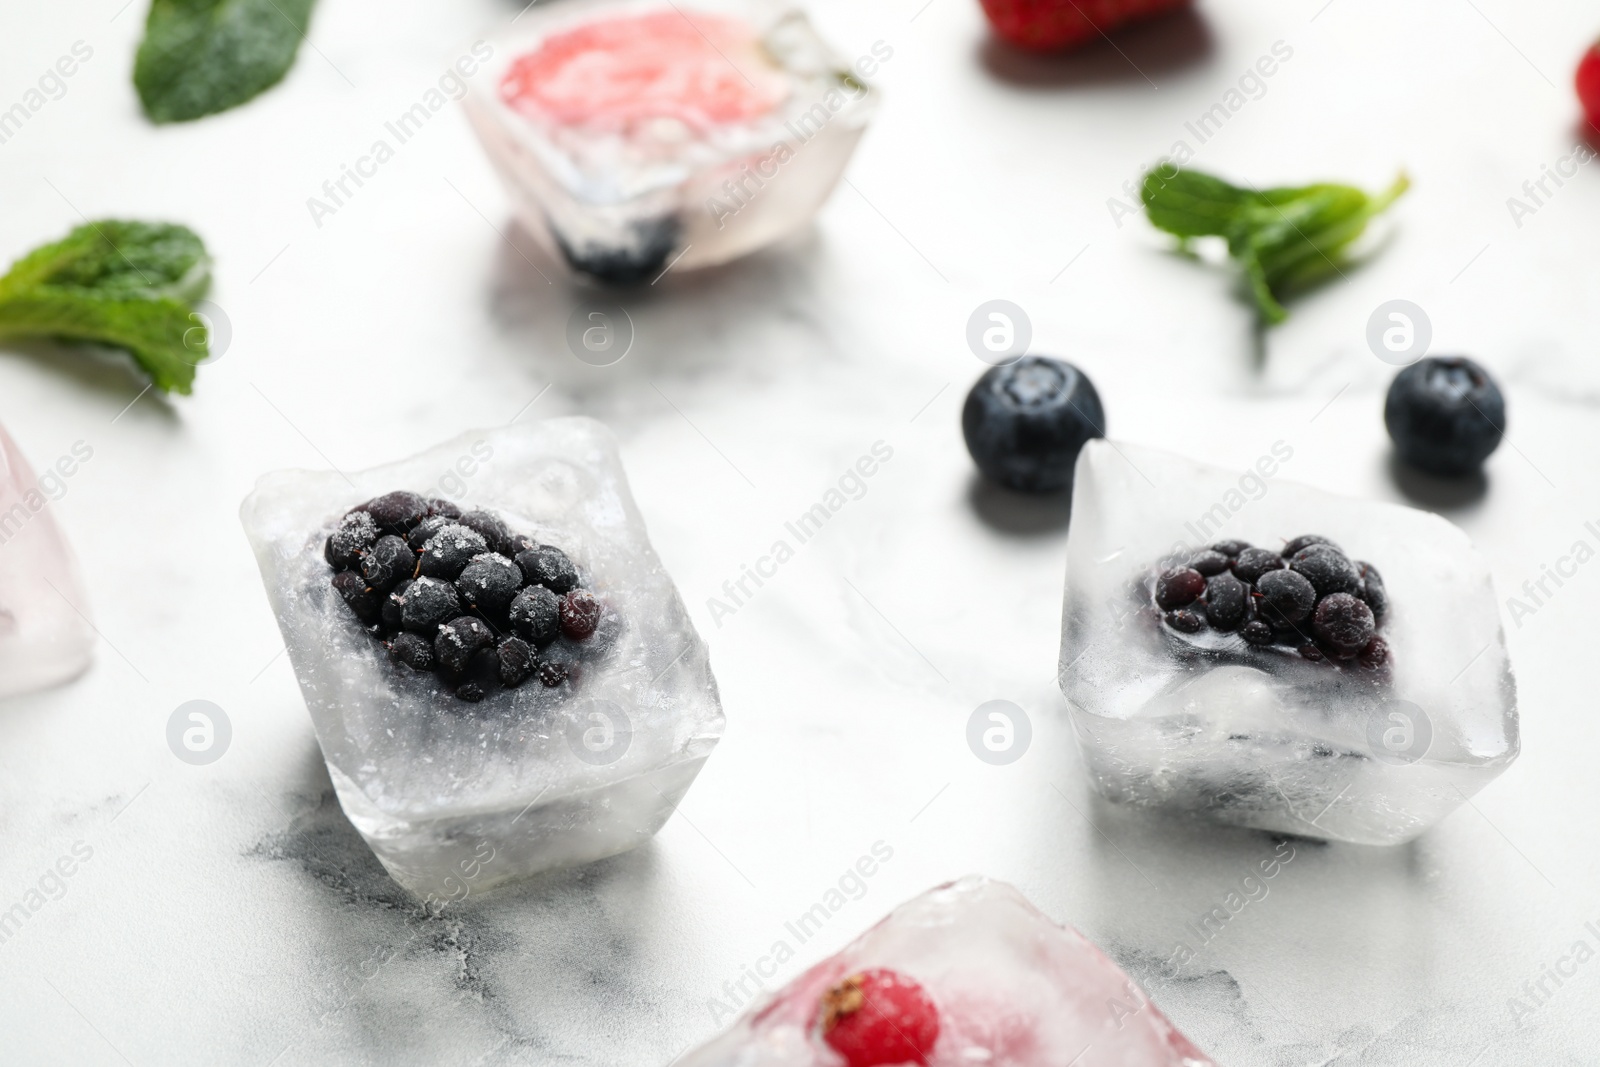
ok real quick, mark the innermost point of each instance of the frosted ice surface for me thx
(1012, 989)
(45, 636)
(456, 797)
(1269, 740)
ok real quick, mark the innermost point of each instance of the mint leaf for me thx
(125, 284)
(1284, 239)
(199, 57)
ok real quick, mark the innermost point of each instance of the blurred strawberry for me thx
(1589, 84)
(1057, 25)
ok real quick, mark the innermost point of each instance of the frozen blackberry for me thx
(393, 618)
(1343, 623)
(423, 532)
(1256, 632)
(536, 615)
(1327, 569)
(1209, 562)
(1372, 590)
(437, 506)
(1178, 586)
(448, 552)
(494, 530)
(388, 562)
(1376, 654)
(517, 661)
(1225, 601)
(488, 584)
(397, 512)
(428, 603)
(412, 651)
(580, 614)
(1231, 549)
(366, 603)
(548, 566)
(1285, 597)
(1254, 562)
(354, 535)
(458, 639)
(552, 673)
(1186, 621)
(1303, 542)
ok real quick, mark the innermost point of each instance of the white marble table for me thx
(229, 914)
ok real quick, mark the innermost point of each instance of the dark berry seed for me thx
(1025, 423)
(492, 528)
(1209, 562)
(517, 661)
(536, 615)
(1283, 598)
(1231, 549)
(428, 603)
(1445, 415)
(1327, 569)
(1186, 621)
(393, 605)
(488, 584)
(397, 512)
(1225, 601)
(1178, 586)
(1343, 623)
(448, 552)
(1312, 653)
(1376, 654)
(1373, 590)
(423, 532)
(1254, 562)
(548, 566)
(367, 604)
(580, 614)
(388, 562)
(458, 639)
(443, 508)
(1304, 541)
(412, 651)
(354, 535)
(1256, 632)
(552, 673)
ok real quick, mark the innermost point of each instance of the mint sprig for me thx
(1285, 239)
(130, 285)
(199, 57)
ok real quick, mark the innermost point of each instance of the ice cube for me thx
(456, 797)
(637, 136)
(1002, 985)
(45, 635)
(1265, 737)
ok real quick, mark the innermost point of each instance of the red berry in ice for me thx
(580, 614)
(1589, 85)
(1178, 586)
(879, 1017)
(1055, 25)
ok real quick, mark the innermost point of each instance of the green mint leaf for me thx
(125, 284)
(1284, 239)
(200, 57)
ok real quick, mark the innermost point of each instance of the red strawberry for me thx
(1056, 25)
(879, 1017)
(1589, 85)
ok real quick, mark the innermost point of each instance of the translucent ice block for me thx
(1266, 738)
(638, 134)
(456, 797)
(1010, 987)
(45, 636)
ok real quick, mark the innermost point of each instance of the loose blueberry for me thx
(1343, 623)
(1026, 422)
(1284, 597)
(517, 661)
(494, 531)
(393, 614)
(548, 566)
(1372, 590)
(458, 639)
(397, 512)
(1231, 549)
(1186, 621)
(1178, 586)
(354, 535)
(367, 604)
(1254, 562)
(412, 651)
(580, 614)
(488, 584)
(536, 615)
(1225, 601)
(1209, 562)
(1256, 632)
(1327, 569)
(388, 562)
(1303, 542)
(423, 532)
(1445, 415)
(637, 256)
(448, 552)
(428, 603)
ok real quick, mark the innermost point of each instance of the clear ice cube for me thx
(1267, 739)
(1011, 988)
(707, 134)
(456, 797)
(45, 635)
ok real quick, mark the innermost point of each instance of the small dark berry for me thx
(397, 512)
(1256, 632)
(1231, 549)
(457, 641)
(388, 562)
(1312, 653)
(1376, 654)
(423, 532)
(548, 566)
(393, 614)
(1283, 598)
(1445, 415)
(441, 507)
(412, 651)
(552, 673)
(1305, 541)
(492, 528)
(1373, 590)
(354, 535)
(428, 603)
(1225, 601)
(472, 691)
(1344, 623)
(366, 603)
(1186, 621)
(580, 614)
(517, 661)
(1254, 562)
(536, 615)
(1327, 569)
(448, 552)
(1209, 562)
(521, 543)
(1025, 423)
(488, 584)
(1178, 586)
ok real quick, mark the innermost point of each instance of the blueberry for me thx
(639, 256)
(423, 532)
(1254, 562)
(548, 566)
(1256, 632)
(388, 562)
(580, 614)
(1178, 586)
(1312, 653)
(1372, 590)
(1225, 601)
(1186, 620)
(488, 584)
(1209, 562)
(1344, 623)
(1376, 654)
(1026, 422)
(1284, 597)
(428, 603)
(552, 673)
(448, 552)
(412, 651)
(1303, 542)
(393, 616)
(536, 615)
(458, 639)
(354, 535)
(1445, 415)
(1327, 569)
(517, 661)
(367, 604)
(442, 508)
(1231, 549)
(397, 512)
(493, 529)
